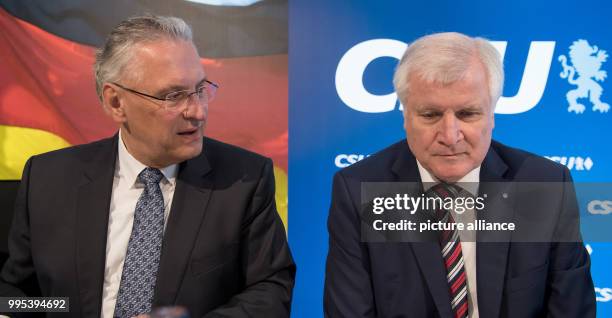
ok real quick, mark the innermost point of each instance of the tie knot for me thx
(150, 176)
(446, 190)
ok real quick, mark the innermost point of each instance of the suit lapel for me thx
(92, 209)
(429, 257)
(492, 247)
(193, 188)
(427, 254)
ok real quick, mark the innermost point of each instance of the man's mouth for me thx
(188, 132)
(451, 155)
(191, 134)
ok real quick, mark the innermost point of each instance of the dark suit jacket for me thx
(514, 279)
(224, 250)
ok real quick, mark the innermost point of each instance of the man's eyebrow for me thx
(175, 88)
(471, 108)
(427, 107)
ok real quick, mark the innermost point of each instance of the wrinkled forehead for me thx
(164, 60)
(468, 84)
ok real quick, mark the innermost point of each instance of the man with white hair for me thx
(449, 84)
(157, 215)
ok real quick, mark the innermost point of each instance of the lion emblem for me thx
(586, 62)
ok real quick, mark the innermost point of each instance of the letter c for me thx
(349, 75)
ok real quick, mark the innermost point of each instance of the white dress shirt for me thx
(126, 191)
(470, 183)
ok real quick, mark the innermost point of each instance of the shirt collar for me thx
(468, 182)
(129, 167)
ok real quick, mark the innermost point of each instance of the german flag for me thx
(47, 88)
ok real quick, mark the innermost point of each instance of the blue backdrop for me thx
(341, 103)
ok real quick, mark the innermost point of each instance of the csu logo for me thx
(600, 207)
(603, 294)
(350, 88)
(574, 162)
(586, 63)
(345, 160)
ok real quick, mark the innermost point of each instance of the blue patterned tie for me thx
(144, 249)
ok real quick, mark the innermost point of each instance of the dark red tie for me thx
(451, 251)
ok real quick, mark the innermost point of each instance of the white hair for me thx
(115, 55)
(444, 58)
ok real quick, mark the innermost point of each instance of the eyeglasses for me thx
(178, 100)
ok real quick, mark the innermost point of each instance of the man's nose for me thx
(450, 131)
(195, 109)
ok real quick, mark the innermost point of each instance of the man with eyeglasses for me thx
(157, 215)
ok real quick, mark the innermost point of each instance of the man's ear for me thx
(404, 116)
(112, 103)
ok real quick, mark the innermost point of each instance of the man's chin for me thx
(194, 152)
(188, 152)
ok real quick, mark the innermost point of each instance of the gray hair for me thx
(115, 55)
(444, 58)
